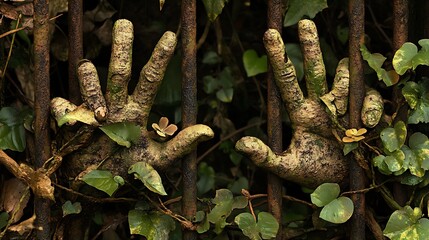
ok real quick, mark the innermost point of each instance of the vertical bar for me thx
(274, 121)
(41, 107)
(400, 23)
(400, 36)
(75, 15)
(189, 109)
(357, 94)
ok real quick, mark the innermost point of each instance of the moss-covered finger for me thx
(337, 99)
(120, 65)
(91, 89)
(314, 68)
(153, 73)
(284, 71)
(372, 109)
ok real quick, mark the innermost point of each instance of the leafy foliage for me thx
(407, 223)
(225, 203)
(4, 217)
(408, 57)
(149, 176)
(375, 61)
(12, 131)
(122, 133)
(152, 225)
(298, 9)
(416, 95)
(102, 180)
(71, 208)
(214, 8)
(265, 228)
(221, 85)
(253, 64)
(335, 209)
(399, 157)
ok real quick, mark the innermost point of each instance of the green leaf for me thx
(238, 185)
(419, 144)
(102, 180)
(4, 218)
(225, 203)
(206, 179)
(375, 61)
(348, 147)
(267, 225)
(247, 224)
(381, 164)
(394, 138)
(122, 133)
(338, 211)
(402, 61)
(204, 224)
(214, 8)
(225, 94)
(211, 58)
(81, 114)
(253, 64)
(153, 226)
(149, 176)
(12, 131)
(325, 193)
(395, 161)
(71, 208)
(422, 57)
(407, 224)
(298, 9)
(416, 94)
(119, 180)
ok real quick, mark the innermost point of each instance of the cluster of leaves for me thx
(399, 157)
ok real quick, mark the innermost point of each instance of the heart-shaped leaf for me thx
(214, 8)
(298, 9)
(407, 223)
(338, 211)
(153, 225)
(71, 208)
(394, 138)
(402, 61)
(266, 227)
(149, 176)
(102, 180)
(225, 203)
(253, 64)
(325, 193)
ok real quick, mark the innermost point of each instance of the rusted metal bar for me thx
(75, 15)
(189, 108)
(274, 121)
(400, 23)
(357, 94)
(41, 107)
(400, 36)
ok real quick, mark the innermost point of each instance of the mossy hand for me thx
(313, 156)
(117, 106)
